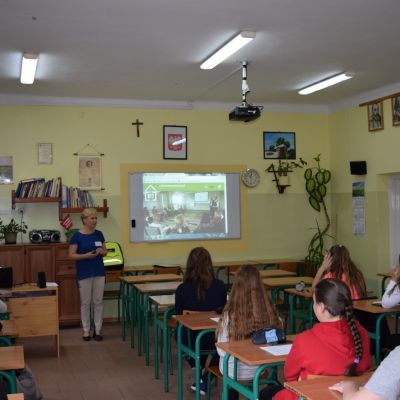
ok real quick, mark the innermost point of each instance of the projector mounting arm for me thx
(245, 86)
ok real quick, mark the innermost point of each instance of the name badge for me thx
(98, 244)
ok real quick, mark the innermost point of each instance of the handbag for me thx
(268, 336)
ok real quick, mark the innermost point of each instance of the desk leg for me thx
(146, 309)
(123, 299)
(179, 351)
(166, 344)
(155, 327)
(292, 300)
(11, 380)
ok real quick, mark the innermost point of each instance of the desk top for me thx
(151, 278)
(317, 388)
(266, 261)
(32, 287)
(198, 321)
(271, 273)
(229, 264)
(366, 305)
(306, 293)
(15, 396)
(164, 300)
(11, 357)
(249, 353)
(9, 328)
(157, 287)
(286, 281)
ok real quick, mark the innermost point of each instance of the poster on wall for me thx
(89, 172)
(358, 208)
(6, 170)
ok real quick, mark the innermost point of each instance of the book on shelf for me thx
(76, 198)
(34, 188)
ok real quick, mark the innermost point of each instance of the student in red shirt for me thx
(337, 345)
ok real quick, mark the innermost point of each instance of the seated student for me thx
(200, 291)
(337, 345)
(384, 384)
(249, 308)
(338, 264)
(391, 297)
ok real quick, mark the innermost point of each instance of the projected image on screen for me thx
(178, 206)
(184, 206)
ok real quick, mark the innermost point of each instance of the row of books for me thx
(74, 197)
(38, 187)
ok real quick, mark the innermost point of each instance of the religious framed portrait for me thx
(174, 142)
(375, 116)
(396, 110)
(89, 172)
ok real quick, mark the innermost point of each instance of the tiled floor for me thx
(98, 370)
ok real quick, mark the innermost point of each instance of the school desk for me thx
(15, 396)
(384, 276)
(271, 273)
(35, 312)
(228, 266)
(8, 331)
(128, 295)
(366, 305)
(166, 302)
(203, 323)
(274, 262)
(11, 359)
(318, 387)
(251, 354)
(278, 284)
(144, 291)
(307, 317)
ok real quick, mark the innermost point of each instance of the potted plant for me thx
(281, 171)
(9, 231)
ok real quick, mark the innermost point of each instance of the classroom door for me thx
(394, 218)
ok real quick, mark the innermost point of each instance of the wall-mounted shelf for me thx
(61, 210)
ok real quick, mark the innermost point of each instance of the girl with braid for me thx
(338, 264)
(337, 345)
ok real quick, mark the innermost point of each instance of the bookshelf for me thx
(61, 210)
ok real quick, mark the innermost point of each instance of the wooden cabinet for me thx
(68, 292)
(52, 258)
(13, 255)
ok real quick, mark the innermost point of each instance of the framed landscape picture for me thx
(279, 145)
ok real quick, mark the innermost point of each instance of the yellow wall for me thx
(275, 225)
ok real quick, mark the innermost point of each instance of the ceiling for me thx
(150, 50)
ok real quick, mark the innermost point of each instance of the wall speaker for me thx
(358, 167)
(6, 277)
(41, 280)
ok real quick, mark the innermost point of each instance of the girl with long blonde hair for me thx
(249, 308)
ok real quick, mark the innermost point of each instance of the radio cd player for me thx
(44, 235)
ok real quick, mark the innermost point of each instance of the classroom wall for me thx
(278, 225)
(349, 140)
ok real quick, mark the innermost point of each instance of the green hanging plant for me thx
(316, 179)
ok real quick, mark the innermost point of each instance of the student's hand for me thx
(327, 262)
(100, 251)
(345, 387)
(91, 254)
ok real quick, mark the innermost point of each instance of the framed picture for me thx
(89, 170)
(6, 170)
(45, 153)
(396, 110)
(279, 145)
(175, 142)
(375, 116)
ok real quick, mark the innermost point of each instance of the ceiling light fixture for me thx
(326, 83)
(28, 68)
(228, 49)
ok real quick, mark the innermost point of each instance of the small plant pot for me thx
(284, 180)
(10, 237)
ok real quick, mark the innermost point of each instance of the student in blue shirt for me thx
(87, 248)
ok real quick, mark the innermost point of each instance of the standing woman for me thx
(87, 248)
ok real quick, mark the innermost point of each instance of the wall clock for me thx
(250, 177)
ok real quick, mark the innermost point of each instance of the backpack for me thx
(26, 384)
(114, 259)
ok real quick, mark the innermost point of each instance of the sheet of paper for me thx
(215, 319)
(51, 284)
(377, 303)
(279, 350)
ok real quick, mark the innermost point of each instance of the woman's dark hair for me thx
(343, 265)
(199, 270)
(335, 296)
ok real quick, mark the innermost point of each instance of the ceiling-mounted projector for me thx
(246, 112)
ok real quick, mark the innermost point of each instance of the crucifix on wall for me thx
(137, 123)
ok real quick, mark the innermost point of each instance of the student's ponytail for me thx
(351, 370)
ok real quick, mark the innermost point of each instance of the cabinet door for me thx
(68, 292)
(40, 258)
(14, 256)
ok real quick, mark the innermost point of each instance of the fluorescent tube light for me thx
(231, 47)
(28, 69)
(326, 83)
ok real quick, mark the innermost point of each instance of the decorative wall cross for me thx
(137, 123)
